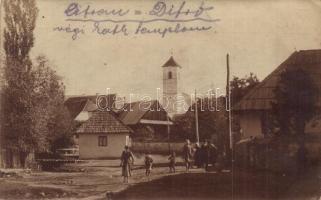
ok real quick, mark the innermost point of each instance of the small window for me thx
(128, 141)
(169, 75)
(102, 141)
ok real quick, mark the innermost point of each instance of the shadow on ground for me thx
(219, 186)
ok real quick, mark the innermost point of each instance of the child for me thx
(172, 162)
(148, 164)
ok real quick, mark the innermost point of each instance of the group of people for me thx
(202, 156)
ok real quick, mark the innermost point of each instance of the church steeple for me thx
(171, 89)
(171, 63)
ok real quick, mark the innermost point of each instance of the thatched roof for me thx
(103, 122)
(261, 96)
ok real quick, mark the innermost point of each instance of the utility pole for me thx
(229, 120)
(2, 62)
(196, 120)
(168, 134)
(2, 56)
(228, 99)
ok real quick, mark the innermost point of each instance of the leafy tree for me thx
(211, 121)
(183, 127)
(34, 115)
(20, 18)
(241, 86)
(54, 126)
(296, 102)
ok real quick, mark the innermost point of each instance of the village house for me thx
(80, 107)
(253, 108)
(102, 136)
(147, 119)
(256, 148)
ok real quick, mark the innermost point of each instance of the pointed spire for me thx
(171, 63)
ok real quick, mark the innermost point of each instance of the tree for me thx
(211, 119)
(54, 126)
(35, 118)
(20, 18)
(296, 102)
(241, 86)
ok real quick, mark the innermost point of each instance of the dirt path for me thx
(92, 180)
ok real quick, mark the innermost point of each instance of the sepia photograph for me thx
(160, 99)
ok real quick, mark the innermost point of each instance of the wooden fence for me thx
(162, 148)
(275, 156)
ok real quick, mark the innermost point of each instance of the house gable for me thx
(261, 96)
(103, 122)
(134, 112)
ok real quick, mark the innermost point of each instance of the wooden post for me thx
(168, 134)
(228, 99)
(230, 153)
(2, 155)
(196, 120)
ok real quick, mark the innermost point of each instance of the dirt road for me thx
(93, 179)
(89, 180)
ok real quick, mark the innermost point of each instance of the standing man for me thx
(187, 153)
(209, 154)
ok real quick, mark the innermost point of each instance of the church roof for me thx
(171, 63)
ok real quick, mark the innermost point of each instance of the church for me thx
(174, 101)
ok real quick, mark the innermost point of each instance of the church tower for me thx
(171, 89)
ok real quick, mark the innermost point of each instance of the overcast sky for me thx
(258, 35)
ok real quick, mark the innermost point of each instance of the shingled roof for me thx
(77, 104)
(261, 96)
(171, 63)
(103, 122)
(133, 112)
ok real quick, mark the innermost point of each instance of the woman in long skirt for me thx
(126, 159)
